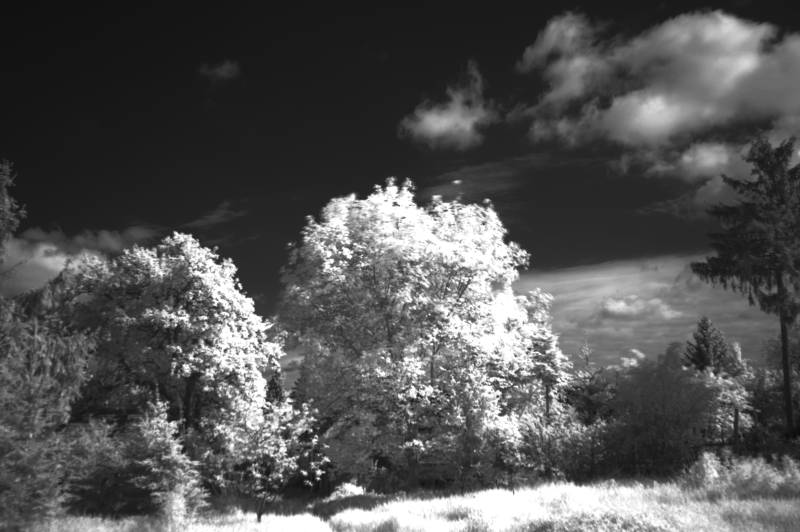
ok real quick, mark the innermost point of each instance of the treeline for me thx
(145, 382)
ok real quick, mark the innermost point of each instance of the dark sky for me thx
(234, 123)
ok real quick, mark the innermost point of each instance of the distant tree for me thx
(711, 350)
(675, 355)
(758, 249)
(591, 390)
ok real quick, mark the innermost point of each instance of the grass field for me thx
(549, 507)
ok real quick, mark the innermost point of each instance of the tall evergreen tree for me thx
(758, 248)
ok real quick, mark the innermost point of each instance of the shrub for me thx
(704, 472)
(563, 447)
(346, 489)
(662, 414)
(745, 477)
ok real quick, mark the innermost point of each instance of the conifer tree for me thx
(709, 349)
(758, 248)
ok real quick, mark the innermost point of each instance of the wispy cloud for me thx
(643, 304)
(225, 70)
(221, 214)
(477, 181)
(456, 123)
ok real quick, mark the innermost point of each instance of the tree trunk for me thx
(548, 401)
(736, 428)
(787, 377)
(261, 508)
(189, 401)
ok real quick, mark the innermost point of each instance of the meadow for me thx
(757, 502)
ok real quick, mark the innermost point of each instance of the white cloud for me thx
(710, 159)
(565, 50)
(225, 70)
(456, 123)
(676, 98)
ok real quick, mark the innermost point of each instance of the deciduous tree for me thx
(174, 326)
(415, 343)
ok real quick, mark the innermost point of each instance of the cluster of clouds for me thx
(675, 100)
(644, 305)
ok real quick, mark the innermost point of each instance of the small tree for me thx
(283, 448)
(758, 249)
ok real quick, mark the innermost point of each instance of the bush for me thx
(662, 416)
(563, 447)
